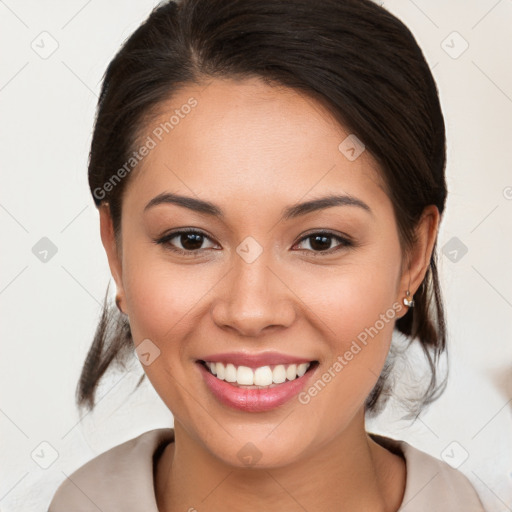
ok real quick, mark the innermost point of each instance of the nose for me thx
(254, 298)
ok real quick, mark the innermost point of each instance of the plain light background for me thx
(50, 309)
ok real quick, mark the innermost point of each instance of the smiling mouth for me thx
(263, 377)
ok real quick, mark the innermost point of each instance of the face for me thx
(317, 285)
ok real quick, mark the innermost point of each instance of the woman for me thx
(270, 182)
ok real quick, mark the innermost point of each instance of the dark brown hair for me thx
(351, 55)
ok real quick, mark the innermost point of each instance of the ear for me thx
(113, 251)
(417, 260)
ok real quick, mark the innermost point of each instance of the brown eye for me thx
(320, 242)
(184, 241)
(190, 241)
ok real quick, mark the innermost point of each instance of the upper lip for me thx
(255, 360)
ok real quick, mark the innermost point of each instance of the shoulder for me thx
(119, 479)
(431, 484)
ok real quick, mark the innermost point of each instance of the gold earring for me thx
(408, 301)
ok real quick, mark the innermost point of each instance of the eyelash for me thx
(344, 242)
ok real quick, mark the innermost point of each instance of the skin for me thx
(253, 149)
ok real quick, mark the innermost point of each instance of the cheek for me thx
(352, 297)
(356, 310)
(162, 298)
(164, 302)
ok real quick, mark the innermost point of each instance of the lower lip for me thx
(254, 400)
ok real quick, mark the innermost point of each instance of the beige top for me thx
(121, 480)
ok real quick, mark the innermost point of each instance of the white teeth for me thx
(291, 372)
(279, 374)
(301, 369)
(221, 371)
(262, 376)
(245, 376)
(230, 375)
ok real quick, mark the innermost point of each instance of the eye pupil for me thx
(325, 242)
(191, 241)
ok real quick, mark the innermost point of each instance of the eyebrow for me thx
(291, 212)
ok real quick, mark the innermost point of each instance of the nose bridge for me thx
(254, 297)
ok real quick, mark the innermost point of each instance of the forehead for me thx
(249, 140)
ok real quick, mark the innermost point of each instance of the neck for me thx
(350, 472)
